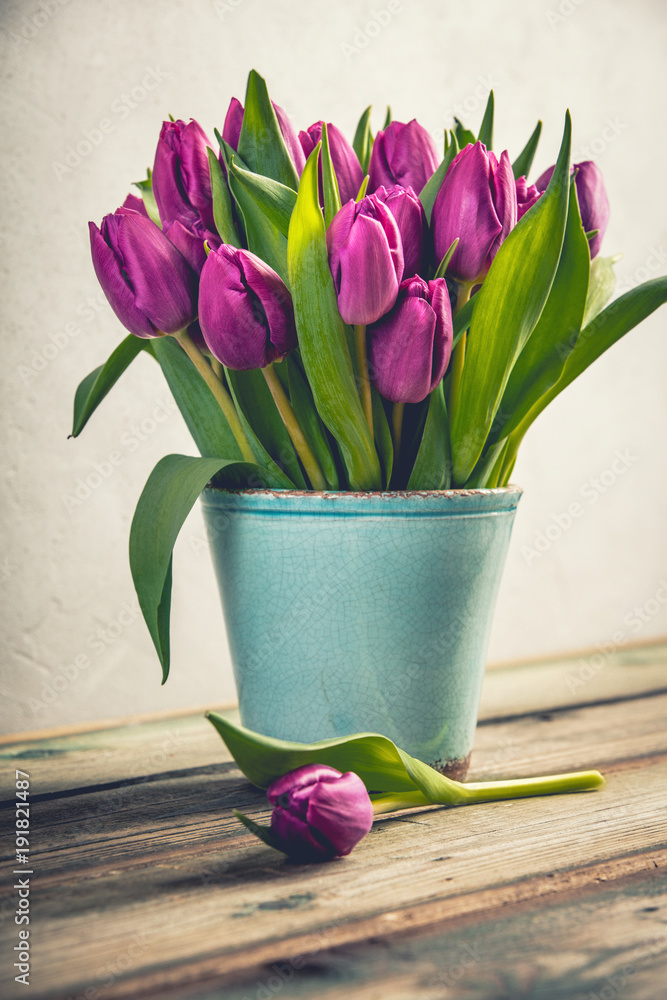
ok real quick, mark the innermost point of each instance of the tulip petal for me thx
(367, 274)
(231, 130)
(115, 286)
(341, 811)
(401, 352)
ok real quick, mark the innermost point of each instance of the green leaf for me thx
(432, 466)
(486, 128)
(463, 134)
(199, 407)
(303, 405)
(261, 143)
(524, 161)
(167, 498)
(329, 180)
(150, 204)
(601, 285)
(429, 192)
(261, 454)
(463, 319)
(264, 833)
(382, 434)
(322, 338)
(275, 200)
(387, 118)
(362, 190)
(444, 263)
(254, 400)
(541, 361)
(362, 143)
(94, 387)
(222, 203)
(506, 311)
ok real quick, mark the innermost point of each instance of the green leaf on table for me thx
(261, 143)
(524, 160)
(362, 143)
(150, 204)
(322, 338)
(432, 467)
(486, 128)
(264, 833)
(95, 386)
(543, 357)
(601, 285)
(222, 203)
(254, 401)
(305, 412)
(200, 409)
(429, 192)
(167, 498)
(329, 181)
(275, 200)
(507, 309)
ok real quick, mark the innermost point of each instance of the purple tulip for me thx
(181, 178)
(476, 202)
(345, 161)
(409, 348)
(149, 284)
(592, 197)
(319, 813)
(231, 132)
(402, 154)
(526, 196)
(366, 259)
(245, 310)
(410, 217)
(190, 244)
(133, 204)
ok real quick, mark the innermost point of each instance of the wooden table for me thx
(145, 885)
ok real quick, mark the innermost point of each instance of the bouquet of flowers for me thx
(334, 316)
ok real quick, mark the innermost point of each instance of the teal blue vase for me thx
(361, 612)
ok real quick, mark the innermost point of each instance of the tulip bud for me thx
(409, 348)
(231, 132)
(181, 178)
(402, 154)
(410, 218)
(345, 161)
(366, 259)
(245, 310)
(133, 204)
(149, 284)
(476, 203)
(319, 813)
(592, 198)
(526, 196)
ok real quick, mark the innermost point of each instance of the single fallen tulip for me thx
(245, 310)
(410, 217)
(345, 161)
(149, 284)
(410, 347)
(318, 812)
(526, 196)
(402, 154)
(366, 259)
(231, 131)
(592, 198)
(181, 178)
(477, 203)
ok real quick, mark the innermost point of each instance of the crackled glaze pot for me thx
(361, 612)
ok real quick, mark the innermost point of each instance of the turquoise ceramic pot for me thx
(361, 612)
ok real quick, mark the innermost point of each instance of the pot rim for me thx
(385, 494)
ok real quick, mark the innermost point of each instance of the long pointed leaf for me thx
(432, 466)
(362, 143)
(275, 200)
(507, 309)
(261, 143)
(167, 498)
(309, 420)
(429, 192)
(261, 454)
(329, 180)
(524, 160)
(95, 387)
(382, 434)
(601, 285)
(322, 337)
(222, 203)
(486, 128)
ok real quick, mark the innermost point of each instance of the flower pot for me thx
(361, 612)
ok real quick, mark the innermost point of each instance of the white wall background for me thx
(75, 648)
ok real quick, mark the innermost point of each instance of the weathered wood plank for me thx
(428, 863)
(180, 743)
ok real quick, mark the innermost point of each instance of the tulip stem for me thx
(464, 289)
(397, 426)
(303, 450)
(217, 388)
(362, 374)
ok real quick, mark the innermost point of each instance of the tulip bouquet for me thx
(335, 316)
